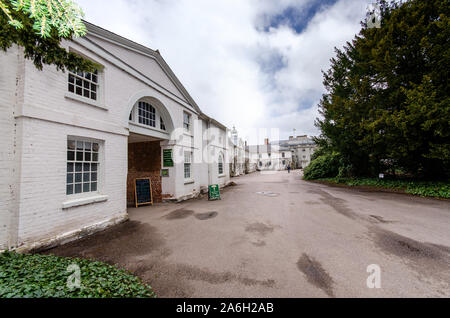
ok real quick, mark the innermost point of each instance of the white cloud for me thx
(216, 48)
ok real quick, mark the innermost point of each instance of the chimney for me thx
(266, 141)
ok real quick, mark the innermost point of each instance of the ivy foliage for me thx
(39, 26)
(46, 276)
(387, 105)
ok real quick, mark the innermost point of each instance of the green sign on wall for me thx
(214, 192)
(167, 158)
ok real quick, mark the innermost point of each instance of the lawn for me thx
(46, 276)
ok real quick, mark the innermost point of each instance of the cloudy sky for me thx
(253, 64)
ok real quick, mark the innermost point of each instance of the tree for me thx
(39, 26)
(387, 100)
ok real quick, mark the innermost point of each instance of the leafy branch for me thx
(63, 15)
(39, 26)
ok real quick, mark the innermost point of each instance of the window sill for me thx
(221, 176)
(147, 127)
(85, 100)
(189, 181)
(84, 201)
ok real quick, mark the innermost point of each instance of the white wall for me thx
(214, 144)
(35, 126)
(43, 180)
(9, 145)
(144, 63)
(304, 154)
(275, 158)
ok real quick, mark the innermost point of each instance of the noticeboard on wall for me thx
(167, 158)
(214, 192)
(143, 192)
(165, 173)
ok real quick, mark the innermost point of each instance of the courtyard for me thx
(275, 235)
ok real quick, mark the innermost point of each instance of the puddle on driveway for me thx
(315, 274)
(429, 260)
(259, 243)
(179, 214)
(259, 228)
(338, 204)
(115, 245)
(310, 202)
(268, 194)
(206, 216)
(184, 214)
(407, 248)
(379, 219)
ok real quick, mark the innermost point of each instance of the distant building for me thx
(250, 166)
(302, 148)
(270, 156)
(237, 154)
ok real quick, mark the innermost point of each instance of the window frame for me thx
(85, 79)
(72, 166)
(188, 164)
(151, 111)
(162, 124)
(187, 125)
(221, 165)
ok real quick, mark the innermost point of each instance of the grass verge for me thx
(46, 276)
(420, 188)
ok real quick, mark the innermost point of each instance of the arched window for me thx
(146, 114)
(220, 166)
(162, 124)
(151, 114)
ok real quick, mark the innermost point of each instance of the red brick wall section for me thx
(144, 161)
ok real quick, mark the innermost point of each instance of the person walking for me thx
(289, 169)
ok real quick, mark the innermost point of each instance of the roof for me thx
(295, 142)
(266, 148)
(99, 31)
(215, 122)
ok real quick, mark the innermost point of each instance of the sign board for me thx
(214, 192)
(143, 192)
(165, 173)
(167, 158)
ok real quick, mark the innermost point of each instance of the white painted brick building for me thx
(270, 157)
(65, 140)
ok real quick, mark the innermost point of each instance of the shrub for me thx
(421, 188)
(46, 276)
(324, 166)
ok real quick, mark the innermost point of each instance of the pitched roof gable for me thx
(128, 44)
